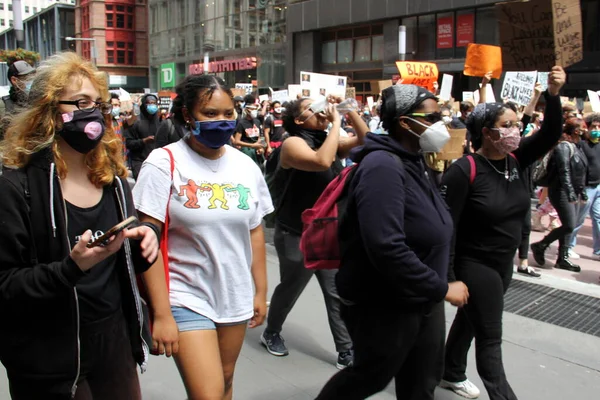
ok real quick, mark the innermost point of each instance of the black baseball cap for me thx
(238, 98)
(19, 68)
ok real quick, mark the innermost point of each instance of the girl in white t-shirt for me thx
(216, 200)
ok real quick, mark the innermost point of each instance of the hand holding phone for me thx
(115, 230)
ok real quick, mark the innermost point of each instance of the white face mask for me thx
(254, 114)
(434, 138)
(447, 119)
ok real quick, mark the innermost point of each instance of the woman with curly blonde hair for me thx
(71, 314)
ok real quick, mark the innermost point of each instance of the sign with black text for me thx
(519, 86)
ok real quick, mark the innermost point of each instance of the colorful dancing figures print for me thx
(244, 193)
(218, 194)
(191, 191)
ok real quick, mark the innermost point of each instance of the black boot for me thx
(563, 261)
(539, 249)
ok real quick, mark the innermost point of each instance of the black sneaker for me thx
(539, 250)
(345, 359)
(274, 343)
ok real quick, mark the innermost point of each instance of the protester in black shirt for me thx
(172, 129)
(20, 75)
(488, 213)
(395, 241)
(273, 127)
(591, 148)
(248, 134)
(567, 174)
(139, 138)
(71, 314)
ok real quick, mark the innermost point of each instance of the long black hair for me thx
(293, 110)
(196, 89)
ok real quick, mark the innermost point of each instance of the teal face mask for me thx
(595, 135)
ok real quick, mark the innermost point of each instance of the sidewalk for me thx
(543, 362)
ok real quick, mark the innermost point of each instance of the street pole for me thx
(18, 23)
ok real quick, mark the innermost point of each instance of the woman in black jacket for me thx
(396, 241)
(172, 129)
(488, 198)
(567, 172)
(71, 314)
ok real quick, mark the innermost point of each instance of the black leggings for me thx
(391, 344)
(525, 233)
(481, 319)
(567, 213)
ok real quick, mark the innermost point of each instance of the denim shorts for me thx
(188, 320)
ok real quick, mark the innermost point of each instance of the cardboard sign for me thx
(454, 148)
(542, 78)
(519, 86)
(350, 93)
(538, 34)
(446, 90)
(378, 86)
(280, 95)
(594, 101)
(246, 86)
(263, 97)
(568, 32)
(370, 102)
(482, 58)
(418, 73)
(238, 92)
(468, 96)
(316, 85)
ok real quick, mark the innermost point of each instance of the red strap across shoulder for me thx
(164, 237)
(473, 172)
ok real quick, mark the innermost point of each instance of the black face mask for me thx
(83, 130)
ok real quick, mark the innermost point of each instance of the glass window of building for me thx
(427, 38)
(445, 33)
(1, 6)
(27, 9)
(344, 51)
(377, 48)
(412, 36)
(362, 49)
(9, 6)
(328, 55)
(2, 22)
(486, 21)
(10, 22)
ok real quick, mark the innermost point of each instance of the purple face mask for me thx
(83, 130)
(509, 139)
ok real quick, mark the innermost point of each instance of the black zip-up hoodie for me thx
(397, 232)
(38, 298)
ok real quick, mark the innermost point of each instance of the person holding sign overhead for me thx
(488, 199)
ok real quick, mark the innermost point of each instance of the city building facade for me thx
(244, 41)
(360, 39)
(29, 8)
(114, 35)
(45, 32)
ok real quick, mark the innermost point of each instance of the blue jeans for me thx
(593, 208)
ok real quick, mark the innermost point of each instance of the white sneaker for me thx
(465, 388)
(574, 255)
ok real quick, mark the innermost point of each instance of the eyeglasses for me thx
(432, 118)
(510, 124)
(86, 105)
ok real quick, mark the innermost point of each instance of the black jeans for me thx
(567, 213)
(481, 319)
(405, 345)
(525, 234)
(108, 370)
(294, 278)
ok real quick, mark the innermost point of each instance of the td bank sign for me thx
(167, 75)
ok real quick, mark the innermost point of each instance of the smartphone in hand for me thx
(115, 230)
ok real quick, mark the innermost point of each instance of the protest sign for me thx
(518, 87)
(454, 148)
(370, 102)
(238, 92)
(446, 90)
(418, 73)
(489, 95)
(350, 93)
(378, 86)
(538, 34)
(280, 96)
(263, 97)
(246, 86)
(542, 78)
(468, 96)
(294, 91)
(594, 100)
(316, 85)
(568, 34)
(482, 58)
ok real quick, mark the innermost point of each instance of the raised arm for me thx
(483, 89)
(537, 145)
(537, 93)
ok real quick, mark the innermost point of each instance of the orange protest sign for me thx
(482, 58)
(418, 73)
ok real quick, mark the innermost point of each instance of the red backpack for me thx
(320, 243)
